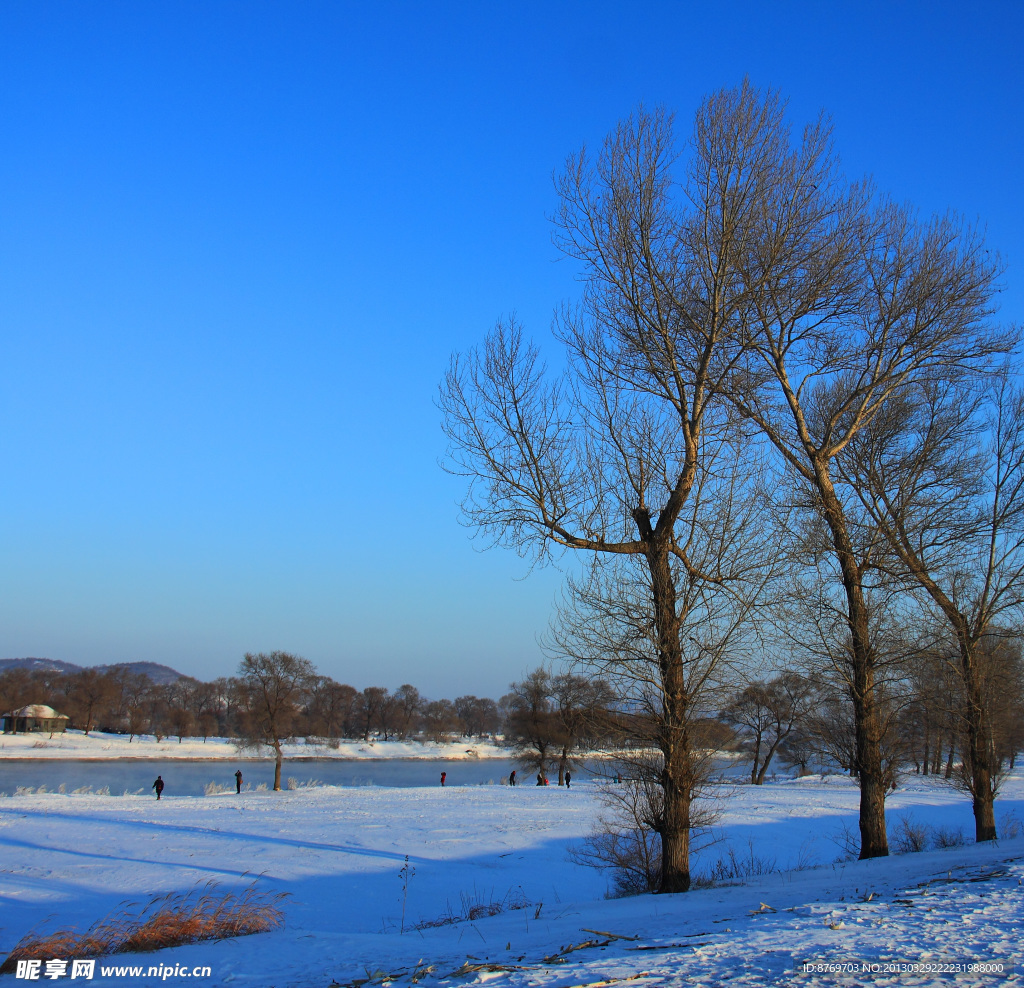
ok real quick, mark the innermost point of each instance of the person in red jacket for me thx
(444, 775)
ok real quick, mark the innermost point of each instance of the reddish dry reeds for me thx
(169, 921)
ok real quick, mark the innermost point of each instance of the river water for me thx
(190, 778)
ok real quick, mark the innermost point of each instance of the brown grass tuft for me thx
(169, 921)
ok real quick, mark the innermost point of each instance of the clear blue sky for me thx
(239, 240)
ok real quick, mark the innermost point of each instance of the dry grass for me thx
(169, 921)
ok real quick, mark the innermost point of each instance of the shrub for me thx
(909, 836)
(624, 839)
(1009, 826)
(294, 783)
(847, 840)
(476, 905)
(949, 837)
(169, 921)
(731, 866)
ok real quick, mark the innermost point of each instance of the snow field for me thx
(76, 745)
(338, 854)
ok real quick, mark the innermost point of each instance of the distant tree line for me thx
(800, 719)
(119, 700)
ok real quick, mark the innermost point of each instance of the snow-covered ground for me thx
(338, 853)
(76, 745)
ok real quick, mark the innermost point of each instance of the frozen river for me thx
(189, 778)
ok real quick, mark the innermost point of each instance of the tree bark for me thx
(277, 766)
(978, 754)
(867, 724)
(767, 761)
(757, 761)
(677, 771)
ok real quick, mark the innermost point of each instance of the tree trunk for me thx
(675, 834)
(767, 761)
(677, 771)
(978, 754)
(949, 761)
(757, 760)
(277, 766)
(562, 762)
(867, 723)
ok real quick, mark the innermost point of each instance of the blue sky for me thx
(239, 241)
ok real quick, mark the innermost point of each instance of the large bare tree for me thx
(940, 470)
(605, 458)
(851, 300)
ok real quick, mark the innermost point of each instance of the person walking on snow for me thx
(159, 785)
(238, 781)
(444, 775)
(568, 779)
(512, 778)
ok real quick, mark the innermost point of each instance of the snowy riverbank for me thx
(75, 745)
(337, 853)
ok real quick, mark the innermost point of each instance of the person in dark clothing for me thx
(512, 778)
(159, 785)
(444, 775)
(540, 779)
(568, 779)
(238, 781)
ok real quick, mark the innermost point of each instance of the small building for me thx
(34, 717)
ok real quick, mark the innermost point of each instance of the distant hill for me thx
(55, 664)
(158, 673)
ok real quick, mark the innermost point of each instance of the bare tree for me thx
(477, 715)
(767, 713)
(180, 697)
(329, 705)
(439, 719)
(532, 727)
(371, 706)
(273, 687)
(850, 302)
(583, 706)
(604, 459)
(940, 471)
(408, 704)
(90, 693)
